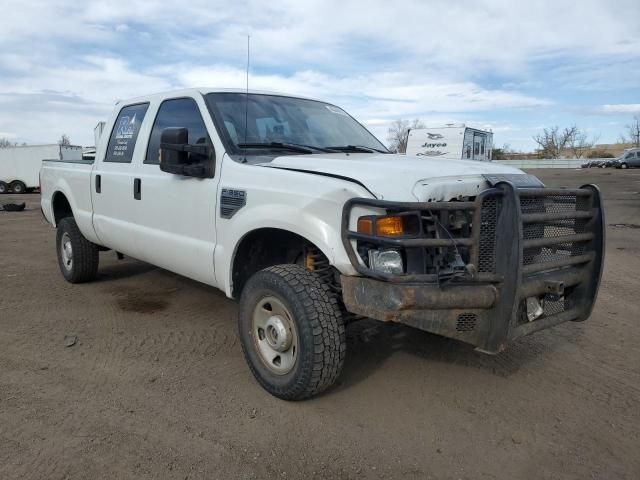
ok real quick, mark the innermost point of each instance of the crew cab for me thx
(291, 206)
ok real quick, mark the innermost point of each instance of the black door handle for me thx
(137, 188)
(98, 184)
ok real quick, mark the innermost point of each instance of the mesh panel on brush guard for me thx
(466, 322)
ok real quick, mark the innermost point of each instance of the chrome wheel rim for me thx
(66, 251)
(274, 335)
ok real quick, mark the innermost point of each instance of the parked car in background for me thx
(20, 165)
(293, 207)
(629, 159)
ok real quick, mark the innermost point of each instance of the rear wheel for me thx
(4, 188)
(77, 257)
(291, 331)
(18, 187)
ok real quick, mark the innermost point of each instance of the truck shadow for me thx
(370, 343)
(123, 269)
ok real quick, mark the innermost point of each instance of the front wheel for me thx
(291, 331)
(77, 257)
(624, 165)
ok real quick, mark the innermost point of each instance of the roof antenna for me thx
(246, 103)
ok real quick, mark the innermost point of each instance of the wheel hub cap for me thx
(66, 250)
(275, 336)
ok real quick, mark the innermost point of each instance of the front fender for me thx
(318, 222)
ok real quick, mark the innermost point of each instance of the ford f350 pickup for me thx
(292, 206)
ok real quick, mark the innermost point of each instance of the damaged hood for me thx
(401, 177)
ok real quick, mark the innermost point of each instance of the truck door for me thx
(112, 182)
(176, 213)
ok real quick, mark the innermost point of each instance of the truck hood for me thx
(401, 177)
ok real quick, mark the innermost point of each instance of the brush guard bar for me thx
(524, 243)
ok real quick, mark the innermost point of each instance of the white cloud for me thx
(64, 63)
(622, 108)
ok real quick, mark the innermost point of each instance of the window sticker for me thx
(126, 127)
(125, 133)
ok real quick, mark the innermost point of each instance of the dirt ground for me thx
(156, 386)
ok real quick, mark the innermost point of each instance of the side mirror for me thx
(177, 156)
(172, 154)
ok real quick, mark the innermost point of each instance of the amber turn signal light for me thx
(365, 225)
(387, 226)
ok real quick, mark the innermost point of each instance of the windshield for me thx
(279, 125)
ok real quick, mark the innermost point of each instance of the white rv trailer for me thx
(20, 166)
(451, 141)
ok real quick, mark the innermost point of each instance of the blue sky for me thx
(514, 67)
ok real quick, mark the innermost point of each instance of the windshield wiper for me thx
(294, 147)
(356, 148)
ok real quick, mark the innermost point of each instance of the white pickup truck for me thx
(292, 206)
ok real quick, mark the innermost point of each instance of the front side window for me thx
(125, 133)
(176, 112)
(260, 120)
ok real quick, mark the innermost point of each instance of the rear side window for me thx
(125, 133)
(177, 112)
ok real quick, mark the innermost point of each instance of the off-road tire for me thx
(18, 187)
(4, 187)
(320, 331)
(85, 254)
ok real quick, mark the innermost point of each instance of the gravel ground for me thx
(155, 385)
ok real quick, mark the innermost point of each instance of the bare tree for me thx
(399, 134)
(579, 143)
(552, 141)
(633, 132)
(64, 140)
(6, 143)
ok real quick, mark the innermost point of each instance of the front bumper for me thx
(540, 243)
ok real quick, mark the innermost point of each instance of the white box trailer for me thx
(20, 166)
(451, 141)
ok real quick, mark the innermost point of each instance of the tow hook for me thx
(554, 289)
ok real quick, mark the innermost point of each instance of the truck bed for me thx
(74, 178)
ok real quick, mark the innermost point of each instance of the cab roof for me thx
(203, 91)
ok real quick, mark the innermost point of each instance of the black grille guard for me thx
(531, 242)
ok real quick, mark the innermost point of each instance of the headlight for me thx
(386, 261)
